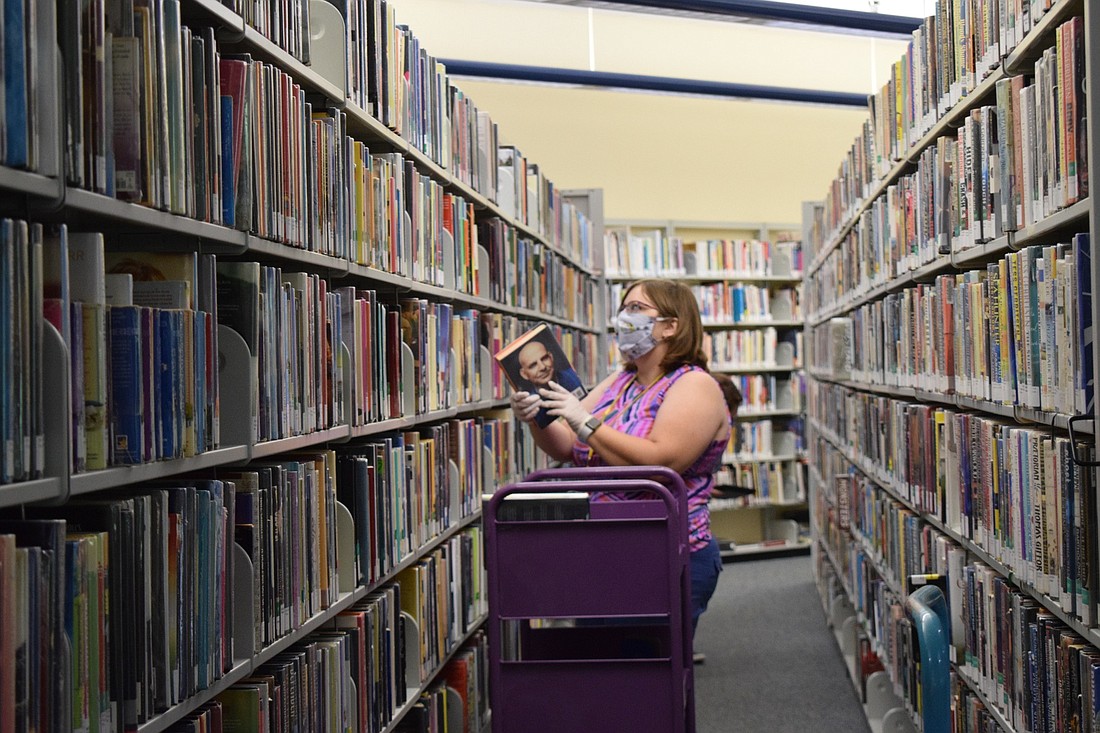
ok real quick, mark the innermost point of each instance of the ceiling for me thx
(662, 155)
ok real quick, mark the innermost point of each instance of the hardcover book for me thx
(533, 360)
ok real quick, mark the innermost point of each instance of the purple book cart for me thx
(589, 603)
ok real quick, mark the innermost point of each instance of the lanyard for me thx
(610, 411)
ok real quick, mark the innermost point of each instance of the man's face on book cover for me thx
(536, 364)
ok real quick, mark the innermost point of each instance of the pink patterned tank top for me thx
(630, 408)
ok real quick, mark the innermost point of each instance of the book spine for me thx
(126, 406)
(96, 427)
(150, 435)
(126, 94)
(167, 409)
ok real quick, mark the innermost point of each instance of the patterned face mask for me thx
(635, 333)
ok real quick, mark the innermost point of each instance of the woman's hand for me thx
(560, 402)
(525, 406)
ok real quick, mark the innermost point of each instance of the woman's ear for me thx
(670, 325)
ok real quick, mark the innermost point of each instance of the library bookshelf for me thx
(950, 367)
(747, 279)
(249, 295)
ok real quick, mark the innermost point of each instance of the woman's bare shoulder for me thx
(697, 379)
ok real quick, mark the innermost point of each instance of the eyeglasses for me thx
(634, 307)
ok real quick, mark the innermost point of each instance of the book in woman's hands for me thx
(535, 359)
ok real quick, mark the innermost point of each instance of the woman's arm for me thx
(557, 438)
(690, 418)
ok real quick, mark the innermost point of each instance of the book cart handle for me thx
(661, 474)
(589, 486)
(1073, 442)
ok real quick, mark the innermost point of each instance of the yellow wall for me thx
(682, 158)
(662, 156)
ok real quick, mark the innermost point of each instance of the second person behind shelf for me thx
(662, 408)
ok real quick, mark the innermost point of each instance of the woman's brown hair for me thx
(729, 391)
(675, 300)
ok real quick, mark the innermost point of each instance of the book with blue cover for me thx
(126, 404)
(16, 148)
(150, 438)
(167, 410)
(533, 360)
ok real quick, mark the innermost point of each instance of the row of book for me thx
(466, 675)
(142, 333)
(399, 488)
(764, 393)
(162, 555)
(756, 348)
(734, 258)
(22, 410)
(1015, 492)
(770, 482)
(631, 253)
(1017, 332)
(1010, 166)
(744, 303)
(29, 124)
(340, 661)
(391, 76)
(125, 601)
(443, 593)
(651, 252)
(142, 337)
(949, 57)
(350, 676)
(763, 439)
(163, 114)
(526, 273)
(286, 25)
(1037, 672)
(854, 565)
(179, 122)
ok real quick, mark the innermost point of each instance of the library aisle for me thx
(772, 662)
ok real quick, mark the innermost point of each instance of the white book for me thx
(1041, 278)
(1051, 492)
(119, 288)
(87, 285)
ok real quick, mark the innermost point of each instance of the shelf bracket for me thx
(1073, 441)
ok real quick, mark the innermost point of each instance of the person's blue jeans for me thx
(706, 564)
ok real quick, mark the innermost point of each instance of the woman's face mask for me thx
(635, 333)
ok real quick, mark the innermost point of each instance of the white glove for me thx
(560, 402)
(525, 406)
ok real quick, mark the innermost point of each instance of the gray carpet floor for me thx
(772, 664)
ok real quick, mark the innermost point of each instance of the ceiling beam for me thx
(638, 82)
(769, 10)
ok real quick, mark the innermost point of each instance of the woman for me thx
(662, 409)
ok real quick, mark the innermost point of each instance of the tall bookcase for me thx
(255, 259)
(951, 370)
(747, 280)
